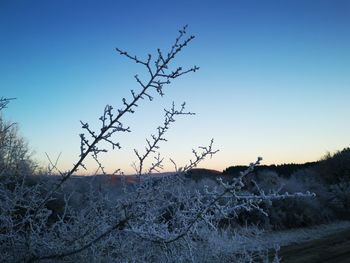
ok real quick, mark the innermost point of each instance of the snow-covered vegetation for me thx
(169, 218)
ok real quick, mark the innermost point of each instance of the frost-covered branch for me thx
(159, 76)
(199, 156)
(4, 102)
(152, 144)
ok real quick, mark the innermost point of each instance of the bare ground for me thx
(333, 248)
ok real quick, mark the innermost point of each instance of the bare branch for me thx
(152, 144)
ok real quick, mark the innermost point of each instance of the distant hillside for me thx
(332, 168)
(284, 170)
(201, 173)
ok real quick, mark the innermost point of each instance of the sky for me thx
(274, 78)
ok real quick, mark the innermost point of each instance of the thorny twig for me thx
(4, 102)
(152, 144)
(159, 76)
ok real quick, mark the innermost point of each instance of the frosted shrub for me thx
(339, 198)
(15, 157)
(291, 213)
(335, 168)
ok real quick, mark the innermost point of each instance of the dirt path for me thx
(334, 248)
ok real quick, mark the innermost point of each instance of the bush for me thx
(15, 157)
(335, 168)
(290, 213)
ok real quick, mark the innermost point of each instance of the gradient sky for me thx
(274, 78)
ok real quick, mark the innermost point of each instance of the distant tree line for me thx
(284, 170)
(332, 168)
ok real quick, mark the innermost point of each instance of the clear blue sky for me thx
(274, 78)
